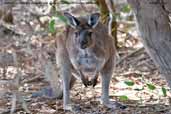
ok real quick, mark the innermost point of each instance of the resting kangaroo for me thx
(87, 51)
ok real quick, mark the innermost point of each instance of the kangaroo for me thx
(86, 51)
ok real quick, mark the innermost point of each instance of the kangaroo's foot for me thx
(72, 107)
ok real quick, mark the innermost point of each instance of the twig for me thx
(10, 28)
(34, 79)
(130, 54)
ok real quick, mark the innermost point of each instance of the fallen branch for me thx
(130, 54)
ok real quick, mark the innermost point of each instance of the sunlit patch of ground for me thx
(140, 99)
(136, 67)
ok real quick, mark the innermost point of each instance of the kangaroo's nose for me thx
(84, 44)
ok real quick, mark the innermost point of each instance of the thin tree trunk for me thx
(154, 25)
(105, 17)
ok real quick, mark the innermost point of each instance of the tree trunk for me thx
(105, 17)
(153, 23)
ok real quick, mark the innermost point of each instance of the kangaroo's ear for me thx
(94, 19)
(72, 21)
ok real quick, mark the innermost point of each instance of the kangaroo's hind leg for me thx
(106, 75)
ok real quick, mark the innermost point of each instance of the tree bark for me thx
(105, 17)
(154, 26)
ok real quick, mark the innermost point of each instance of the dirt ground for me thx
(135, 65)
(136, 82)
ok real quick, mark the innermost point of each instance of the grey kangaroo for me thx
(86, 51)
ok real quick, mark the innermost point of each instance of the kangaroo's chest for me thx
(87, 61)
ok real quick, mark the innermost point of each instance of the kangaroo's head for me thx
(83, 29)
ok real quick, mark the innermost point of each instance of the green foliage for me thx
(52, 21)
(123, 98)
(126, 9)
(137, 89)
(61, 18)
(117, 16)
(151, 87)
(65, 2)
(52, 26)
(129, 83)
(164, 91)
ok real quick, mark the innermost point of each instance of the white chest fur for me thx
(87, 62)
